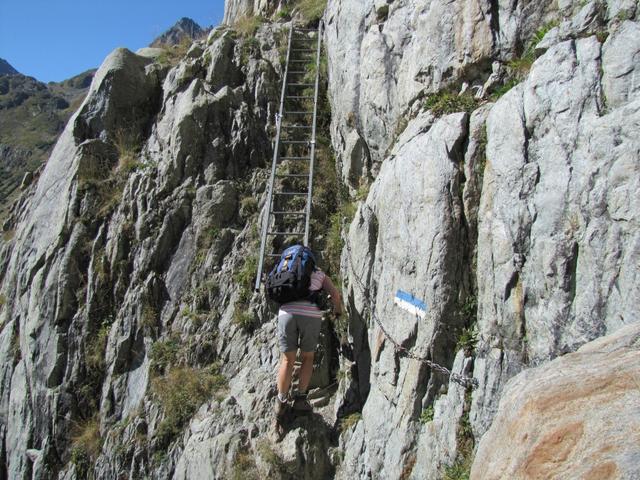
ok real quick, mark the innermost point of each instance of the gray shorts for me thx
(297, 331)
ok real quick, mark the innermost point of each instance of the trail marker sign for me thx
(411, 304)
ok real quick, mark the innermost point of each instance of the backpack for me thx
(291, 277)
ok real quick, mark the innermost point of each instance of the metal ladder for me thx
(295, 147)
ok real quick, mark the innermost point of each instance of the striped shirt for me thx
(319, 281)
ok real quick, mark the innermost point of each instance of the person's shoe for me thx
(301, 403)
(280, 407)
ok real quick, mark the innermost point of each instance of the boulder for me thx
(575, 417)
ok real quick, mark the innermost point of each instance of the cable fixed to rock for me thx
(456, 377)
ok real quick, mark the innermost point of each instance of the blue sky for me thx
(53, 40)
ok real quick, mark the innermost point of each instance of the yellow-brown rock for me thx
(576, 417)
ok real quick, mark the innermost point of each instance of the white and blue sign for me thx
(411, 304)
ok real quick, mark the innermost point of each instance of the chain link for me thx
(459, 379)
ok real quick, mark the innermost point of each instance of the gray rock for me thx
(150, 52)
(423, 222)
(619, 63)
(122, 96)
(543, 239)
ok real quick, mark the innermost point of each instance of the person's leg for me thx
(306, 371)
(310, 331)
(288, 343)
(285, 371)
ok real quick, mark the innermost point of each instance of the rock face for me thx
(540, 202)
(132, 344)
(549, 417)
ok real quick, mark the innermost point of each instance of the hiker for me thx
(296, 282)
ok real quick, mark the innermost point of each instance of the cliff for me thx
(480, 156)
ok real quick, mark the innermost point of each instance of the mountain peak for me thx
(6, 68)
(183, 28)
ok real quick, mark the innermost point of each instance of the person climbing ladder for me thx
(295, 283)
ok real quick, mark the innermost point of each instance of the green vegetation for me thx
(447, 101)
(250, 48)
(181, 392)
(461, 468)
(86, 444)
(104, 185)
(362, 192)
(245, 318)
(248, 206)
(149, 316)
(268, 455)
(427, 415)
(312, 10)
(467, 339)
(504, 88)
(382, 13)
(245, 277)
(349, 421)
(128, 145)
(244, 467)
(163, 354)
(248, 26)
(519, 67)
(88, 395)
(468, 335)
(96, 347)
(172, 54)
(284, 14)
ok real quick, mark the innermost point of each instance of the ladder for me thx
(291, 180)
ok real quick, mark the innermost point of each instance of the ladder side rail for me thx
(313, 135)
(276, 154)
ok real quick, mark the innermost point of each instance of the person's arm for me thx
(336, 299)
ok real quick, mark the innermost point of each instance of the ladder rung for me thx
(285, 233)
(294, 158)
(294, 142)
(296, 126)
(297, 214)
(300, 61)
(298, 113)
(300, 84)
(306, 50)
(298, 71)
(291, 175)
(299, 96)
(291, 193)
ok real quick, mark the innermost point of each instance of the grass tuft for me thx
(181, 392)
(350, 421)
(312, 10)
(248, 26)
(446, 102)
(427, 415)
(86, 444)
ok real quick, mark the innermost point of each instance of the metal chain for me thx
(459, 379)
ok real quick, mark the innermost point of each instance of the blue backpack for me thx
(291, 277)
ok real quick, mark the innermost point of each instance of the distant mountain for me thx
(6, 68)
(32, 116)
(184, 28)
